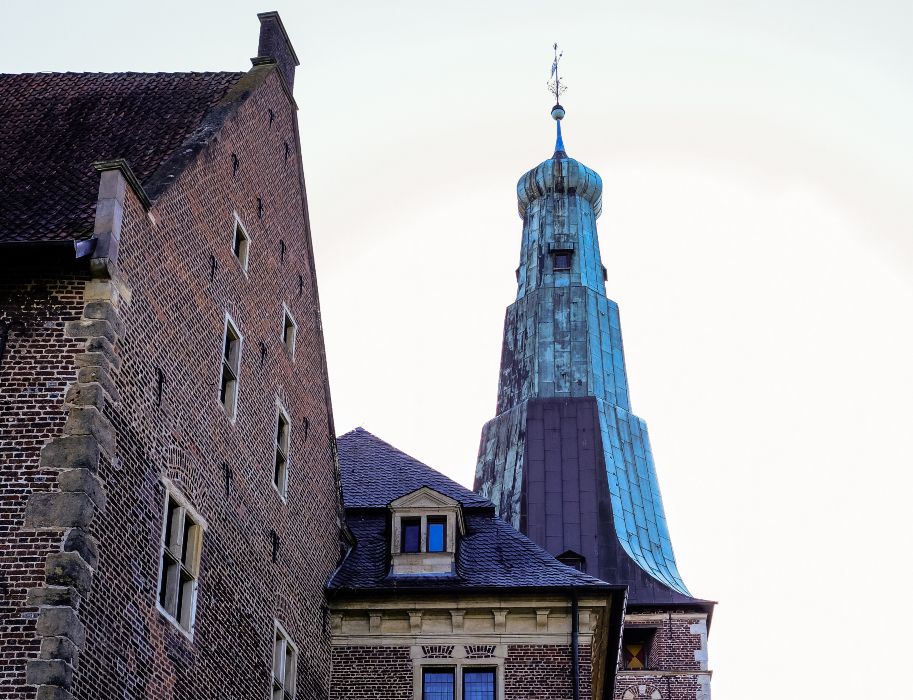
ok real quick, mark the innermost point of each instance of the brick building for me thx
(565, 460)
(439, 599)
(169, 502)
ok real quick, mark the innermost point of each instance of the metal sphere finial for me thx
(558, 113)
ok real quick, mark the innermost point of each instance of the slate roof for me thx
(375, 473)
(491, 554)
(55, 125)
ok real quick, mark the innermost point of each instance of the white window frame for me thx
(282, 488)
(287, 316)
(244, 257)
(280, 647)
(232, 413)
(458, 666)
(186, 626)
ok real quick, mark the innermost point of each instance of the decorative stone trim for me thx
(80, 494)
(437, 651)
(480, 651)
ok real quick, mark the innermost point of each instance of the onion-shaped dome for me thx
(560, 175)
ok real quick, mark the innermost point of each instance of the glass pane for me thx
(436, 536)
(437, 685)
(412, 531)
(479, 685)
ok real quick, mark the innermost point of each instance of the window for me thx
(479, 684)
(280, 466)
(285, 666)
(240, 244)
(437, 684)
(437, 534)
(231, 365)
(562, 260)
(181, 547)
(289, 331)
(635, 645)
(412, 533)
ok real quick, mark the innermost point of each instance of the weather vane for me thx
(555, 85)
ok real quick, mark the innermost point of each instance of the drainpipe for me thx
(575, 644)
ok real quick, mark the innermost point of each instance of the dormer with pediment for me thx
(426, 526)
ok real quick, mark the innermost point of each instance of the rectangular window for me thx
(289, 331)
(437, 534)
(412, 534)
(479, 684)
(231, 368)
(181, 550)
(240, 244)
(285, 666)
(635, 645)
(280, 466)
(562, 260)
(437, 684)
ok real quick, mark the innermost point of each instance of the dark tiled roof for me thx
(55, 125)
(375, 473)
(492, 554)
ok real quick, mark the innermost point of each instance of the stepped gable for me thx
(491, 554)
(56, 125)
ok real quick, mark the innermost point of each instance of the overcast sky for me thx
(757, 228)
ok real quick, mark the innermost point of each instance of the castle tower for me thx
(565, 460)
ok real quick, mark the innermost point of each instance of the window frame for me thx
(243, 257)
(410, 520)
(637, 634)
(283, 638)
(479, 669)
(183, 511)
(439, 668)
(281, 415)
(562, 253)
(230, 412)
(435, 520)
(287, 318)
(495, 664)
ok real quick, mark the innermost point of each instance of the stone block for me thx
(61, 622)
(87, 328)
(68, 569)
(97, 359)
(48, 672)
(88, 375)
(104, 310)
(88, 420)
(53, 692)
(59, 648)
(102, 345)
(84, 481)
(100, 290)
(54, 595)
(58, 509)
(83, 544)
(71, 452)
(86, 395)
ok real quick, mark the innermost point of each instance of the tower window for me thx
(636, 644)
(437, 534)
(285, 666)
(289, 331)
(412, 534)
(231, 368)
(181, 547)
(561, 260)
(438, 684)
(240, 245)
(280, 464)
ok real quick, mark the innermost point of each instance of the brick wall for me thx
(173, 312)
(35, 370)
(544, 672)
(365, 673)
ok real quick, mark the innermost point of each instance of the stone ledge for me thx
(83, 481)
(88, 420)
(54, 596)
(91, 394)
(88, 328)
(48, 672)
(99, 375)
(61, 622)
(68, 569)
(71, 452)
(59, 648)
(104, 310)
(82, 543)
(53, 692)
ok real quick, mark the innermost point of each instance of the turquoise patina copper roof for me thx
(563, 339)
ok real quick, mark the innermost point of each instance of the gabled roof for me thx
(491, 553)
(374, 473)
(55, 125)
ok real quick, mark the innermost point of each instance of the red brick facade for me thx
(264, 557)
(365, 673)
(545, 672)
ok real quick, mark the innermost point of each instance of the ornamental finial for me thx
(555, 86)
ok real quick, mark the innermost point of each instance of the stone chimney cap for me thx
(273, 14)
(274, 43)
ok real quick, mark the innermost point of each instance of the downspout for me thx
(575, 643)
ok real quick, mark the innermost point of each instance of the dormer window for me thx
(425, 528)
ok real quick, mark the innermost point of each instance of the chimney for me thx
(275, 44)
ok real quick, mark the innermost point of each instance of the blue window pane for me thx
(479, 685)
(437, 685)
(436, 536)
(412, 530)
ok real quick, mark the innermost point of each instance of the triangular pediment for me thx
(424, 497)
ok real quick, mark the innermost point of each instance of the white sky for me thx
(757, 230)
